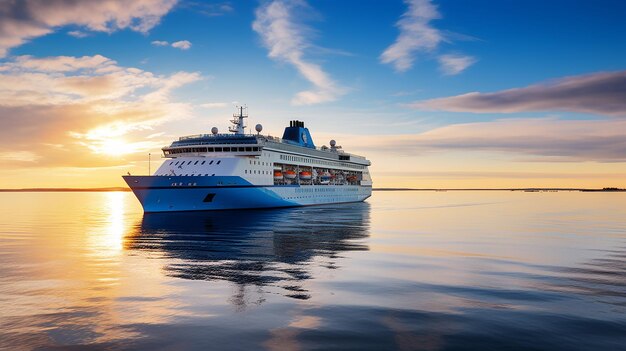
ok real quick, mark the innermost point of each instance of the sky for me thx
(436, 93)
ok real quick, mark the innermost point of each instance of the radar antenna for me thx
(238, 128)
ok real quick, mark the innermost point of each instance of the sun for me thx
(113, 147)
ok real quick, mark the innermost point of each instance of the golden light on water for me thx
(107, 238)
(114, 231)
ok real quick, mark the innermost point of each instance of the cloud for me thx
(183, 44)
(80, 111)
(500, 174)
(19, 156)
(454, 64)
(546, 139)
(21, 21)
(78, 34)
(283, 33)
(210, 10)
(416, 34)
(601, 93)
(214, 105)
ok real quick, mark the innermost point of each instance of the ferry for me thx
(235, 170)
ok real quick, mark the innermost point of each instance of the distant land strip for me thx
(503, 189)
(110, 189)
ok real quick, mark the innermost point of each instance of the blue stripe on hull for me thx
(163, 194)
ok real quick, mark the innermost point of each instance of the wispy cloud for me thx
(416, 34)
(182, 44)
(214, 105)
(78, 34)
(547, 139)
(210, 10)
(19, 156)
(83, 105)
(21, 21)
(598, 93)
(286, 37)
(454, 64)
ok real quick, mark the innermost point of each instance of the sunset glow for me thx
(434, 97)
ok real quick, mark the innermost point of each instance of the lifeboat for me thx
(278, 175)
(290, 174)
(325, 178)
(351, 178)
(304, 175)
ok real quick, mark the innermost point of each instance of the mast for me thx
(237, 120)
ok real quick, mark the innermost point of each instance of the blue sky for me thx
(357, 88)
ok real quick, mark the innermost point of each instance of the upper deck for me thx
(252, 145)
(296, 140)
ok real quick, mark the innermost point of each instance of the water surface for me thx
(404, 270)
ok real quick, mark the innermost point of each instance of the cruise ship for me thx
(235, 170)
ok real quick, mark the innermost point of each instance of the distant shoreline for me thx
(125, 189)
(505, 189)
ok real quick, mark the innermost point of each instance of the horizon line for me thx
(126, 189)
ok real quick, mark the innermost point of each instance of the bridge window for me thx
(210, 149)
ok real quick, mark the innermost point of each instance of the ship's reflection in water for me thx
(254, 248)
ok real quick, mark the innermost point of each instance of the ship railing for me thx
(220, 135)
(266, 137)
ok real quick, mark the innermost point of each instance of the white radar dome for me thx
(214, 130)
(258, 128)
(333, 143)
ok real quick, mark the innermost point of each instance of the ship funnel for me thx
(297, 134)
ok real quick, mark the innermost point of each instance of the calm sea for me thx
(404, 270)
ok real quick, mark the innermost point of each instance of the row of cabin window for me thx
(253, 162)
(195, 163)
(211, 149)
(255, 172)
(319, 162)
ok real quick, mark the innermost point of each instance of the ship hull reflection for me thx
(254, 248)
